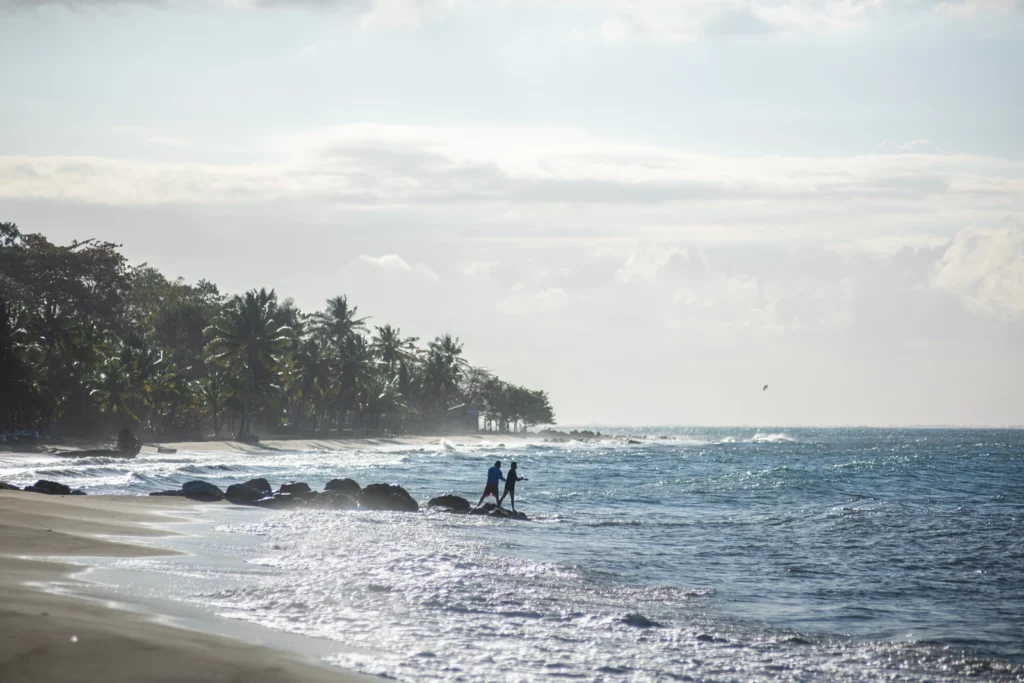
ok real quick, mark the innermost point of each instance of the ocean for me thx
(693, 555)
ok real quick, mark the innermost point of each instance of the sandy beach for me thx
(49, 637)
(228, 446)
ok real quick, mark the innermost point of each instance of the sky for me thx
(648, 208)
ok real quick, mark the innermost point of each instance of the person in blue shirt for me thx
(510, 486)
(494, 475)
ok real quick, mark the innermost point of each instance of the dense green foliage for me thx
(89, 343)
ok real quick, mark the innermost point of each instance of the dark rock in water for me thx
(334, 500)
(99, 453)
(706, 638)
(202, 491)
(78, 492)
(492, 510)
(387, 497)
(506, 513)
(4, 486)
(51, 488)
(298, 487)
(347, 486)
(260, 484)
(633, 442)
(640, 621)
(165, 450)
(179, 492)
(450, 501)
(243, 494)
(282, 500)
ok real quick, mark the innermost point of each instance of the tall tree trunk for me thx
(243, 427)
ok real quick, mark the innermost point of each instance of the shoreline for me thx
(45, 447)
(53, 636)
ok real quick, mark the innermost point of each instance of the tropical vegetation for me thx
(90, 343)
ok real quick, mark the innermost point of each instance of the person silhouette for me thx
(510, 486)
(494, 475)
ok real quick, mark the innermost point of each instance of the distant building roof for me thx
(462, 409)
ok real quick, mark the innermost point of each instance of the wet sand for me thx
(49, 637)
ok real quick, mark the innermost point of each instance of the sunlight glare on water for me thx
(712, 555)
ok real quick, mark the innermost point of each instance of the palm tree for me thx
(169, 391)
(340, 327)
(357, 368)
(246, 339)
(338, 321)
(67, 347)
(213, 394)
(123, 383)
(317, 369)
(378, 397)
(445, 367)
(395, 353)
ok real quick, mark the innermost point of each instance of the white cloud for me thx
(912, 147)
(973, 8)
(478, 269)
(390, 14)
(621, 20)
(395, 263)
(644, 263)
(685, 20)
(522, 300)
(984, 268)
(546, 185)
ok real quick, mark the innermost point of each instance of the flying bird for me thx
(764, 388)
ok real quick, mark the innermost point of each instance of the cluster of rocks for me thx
(586, 435)
(558, 436)
(339, 494)
(46, 486)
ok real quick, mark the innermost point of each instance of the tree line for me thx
(89, 343)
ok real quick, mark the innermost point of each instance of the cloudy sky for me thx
(649, 208)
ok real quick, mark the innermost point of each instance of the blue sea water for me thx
(696, 554)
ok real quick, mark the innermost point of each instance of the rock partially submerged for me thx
(249, 493)
(4, 486)
(450, 502)
(99, 453)
(202, 491)
(50, 488)
(492, 510)
(297, 487)
(557, 436)
(281, 500)
(243, 494)
(260, 484)
(387, 497)
(640, 621)
(346, 486)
